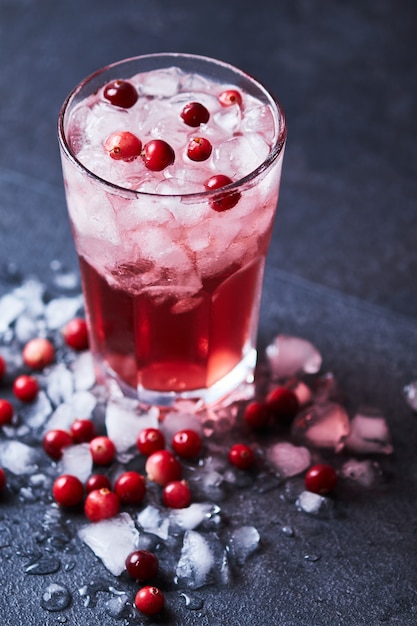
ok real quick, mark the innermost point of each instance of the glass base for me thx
(243, 372)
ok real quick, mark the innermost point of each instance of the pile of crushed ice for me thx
(199, 551)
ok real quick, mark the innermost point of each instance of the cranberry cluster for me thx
(157, 154)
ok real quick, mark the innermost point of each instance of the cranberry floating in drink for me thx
(172, 166)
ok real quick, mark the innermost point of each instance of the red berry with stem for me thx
(26, 388)
(150, 440)
(38, 353)
(6, 412)
(194, 114)
(256, 414)
(176, 494)
(229, 97)
(2, 479)
(241, 456)
(162, 467)
(130, 487)
(83, 430)
(223, 201)
(123, 146)
(199, 149)
(54, 442)
(121, 93)
(187, 443)
(75, 334)
(142, 565)
(2, 366)
(102, 450)
(157, 154)
(68, 490)
(321, 479)
(101, 504)
(283, 404)
(97, 481)
(149, 600)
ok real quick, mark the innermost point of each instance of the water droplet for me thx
(43, 565)
(55, 597)
(193, 603)
(313, 558)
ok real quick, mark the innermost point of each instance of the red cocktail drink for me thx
(172, 207)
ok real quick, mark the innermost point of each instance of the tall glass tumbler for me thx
(172, 253)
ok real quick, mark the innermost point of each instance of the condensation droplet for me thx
(55, 598)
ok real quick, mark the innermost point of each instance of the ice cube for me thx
(228, 119)
(369, 434)
(61, 418)
(288, 459)
(243, 542)
(10, 308)
(124, 422)
(61, 310)
(59, 384)
(289, 356)
(83, 372)
(31, 292)
(314, 504)
(76, 460)
(194, 515)
(240, 155)
(111, 540)
(26, 328)
(202, 560)
(177, 420)
(160, 83)
(365, 473)
(322, 426)
(83, 404)
(18, 458)
(153, 521)
(36, 413)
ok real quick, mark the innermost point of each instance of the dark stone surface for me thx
(341, 273)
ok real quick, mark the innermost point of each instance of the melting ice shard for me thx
(289, 355)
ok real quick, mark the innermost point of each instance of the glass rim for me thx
(245, 181)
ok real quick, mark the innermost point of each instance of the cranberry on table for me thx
(256, 414)
(2, 479)
(142, 565)
(162, 467)
(157, 154)
(149, 600)
(75, 334)
(229, 97)
(194, 114)
(25, 388)
(83, 430)
(223, 201)
(150, 440)
(101, 504)
(283, 403)
(97, 481)
(68, 490)
(38, 353)
(176, 494)
(54, 442)
(187, 443)
(102, 450)
(321, 478)
(130, 487)
(121, 93)
(6, 412)
(241, 456)
(199, 149)
(123, 146)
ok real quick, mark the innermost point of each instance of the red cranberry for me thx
(199, 149)
(149, 600)
(102, 450)
(97, 481)
(2, 366)
(256, 414)
(101, 504)
(157, 155)
(283, 404)
(55, 441)
(194, 114)
(83, 430)
(38, 353)
(123, 146)
(2, 479)
(229, 97)
(150, 440)
(241, 456)
(142, 565)
(6, 412)
(176, 494)
(321, 479)
(68, 490)
(121, 93)
(187, 443)
(25, 388)
(130, 487)
(162, 467)
(75, 334)
(223, 201)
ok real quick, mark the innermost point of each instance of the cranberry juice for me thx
(172, 181)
